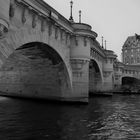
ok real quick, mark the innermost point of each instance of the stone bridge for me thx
(127, 75)
(44, 55)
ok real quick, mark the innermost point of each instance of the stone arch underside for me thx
(18, 37)
(131, 81)
(95, 77)
(130, 84)
(35, 70)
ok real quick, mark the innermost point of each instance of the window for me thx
(138, 59)
(132, 60)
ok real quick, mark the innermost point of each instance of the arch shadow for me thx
(35, 70)
(130, 84)
(95, 77)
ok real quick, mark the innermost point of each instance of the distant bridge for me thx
(127, 75)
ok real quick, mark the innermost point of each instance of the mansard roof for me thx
(131, 41)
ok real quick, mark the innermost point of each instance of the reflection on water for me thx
(113, 118)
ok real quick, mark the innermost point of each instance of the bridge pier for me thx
(80, 79)
(80, 58)
(108, 70)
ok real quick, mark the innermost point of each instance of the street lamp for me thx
(71, 18)
(80, 16)
(102, 41)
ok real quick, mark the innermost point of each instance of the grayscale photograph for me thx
(69, 70)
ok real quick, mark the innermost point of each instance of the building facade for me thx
(131, 51)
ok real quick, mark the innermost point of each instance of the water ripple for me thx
(116, 118)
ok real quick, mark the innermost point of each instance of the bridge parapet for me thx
(81, 26)
(42, 9)
(110, 54)
(84, 29)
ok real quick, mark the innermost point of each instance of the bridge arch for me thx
(129, 80)
(124, 77)
(95, 76)
(19, 37)
(130, 83)
(35, 69)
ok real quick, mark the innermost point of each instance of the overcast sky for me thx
(115, 20)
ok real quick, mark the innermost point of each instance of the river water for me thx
(108, 118)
